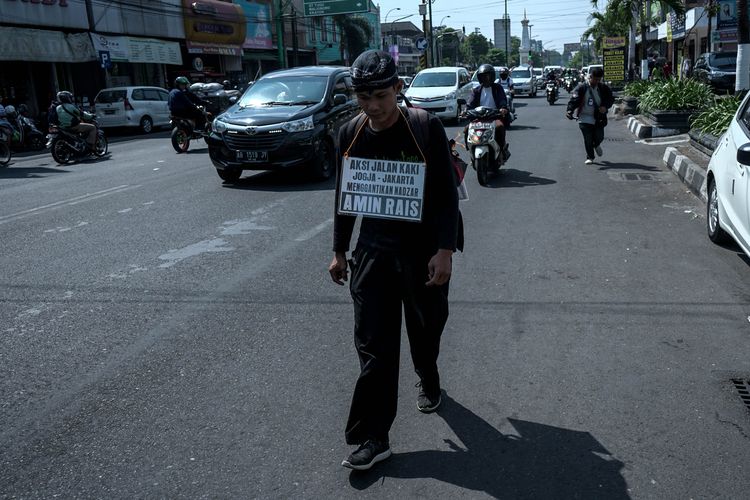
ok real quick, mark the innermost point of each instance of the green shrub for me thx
(676, 95)
(637, 88)
(716, 119)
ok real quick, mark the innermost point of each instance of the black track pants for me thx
(381, 284)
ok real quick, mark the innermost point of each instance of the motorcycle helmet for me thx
(504, 73)
(489, 71)
(65, 97)
(10, 111)
(226, 84)
(181, 80)
(23, 109)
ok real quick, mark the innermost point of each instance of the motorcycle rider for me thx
(70, 117)
(490, 95)
(507, 82)
(184, 104)
(4, 122)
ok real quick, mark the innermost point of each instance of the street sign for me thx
(421, 43)
(105, 59)
(333, 7)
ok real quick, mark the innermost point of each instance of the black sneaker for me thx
(367, 455)
(427, 402)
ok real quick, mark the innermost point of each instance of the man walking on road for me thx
(396, 263)
(591, 101)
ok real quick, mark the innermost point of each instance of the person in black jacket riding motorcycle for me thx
(184, 104)
(490, 95)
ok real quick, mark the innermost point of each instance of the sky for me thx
(555, 22)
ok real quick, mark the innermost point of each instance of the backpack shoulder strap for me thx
(351, 131)
(418, 121)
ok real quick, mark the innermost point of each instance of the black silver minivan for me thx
(285, 119)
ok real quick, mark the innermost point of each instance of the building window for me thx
(324, 30)
(312, 29)
(333, 29)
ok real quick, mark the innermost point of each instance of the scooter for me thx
(183, 130)
(28, 136)
(551, 93)
(484, 151)
(67, 146)
(5, 153)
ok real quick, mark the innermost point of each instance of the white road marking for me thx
(124, 210)
(70, 201)
(206, 246)
(310, 234)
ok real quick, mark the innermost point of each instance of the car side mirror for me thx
(339, 99)
(743, 154)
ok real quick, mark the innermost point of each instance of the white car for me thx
(442, 91)
(142, 107)
(524, 81)
(728, 183)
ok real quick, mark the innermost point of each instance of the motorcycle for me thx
(509, 95)
(67, 146)
(484, 151)
(551, 93)
(27, 135)
(570, 83)
(183, 130)
(5, 153)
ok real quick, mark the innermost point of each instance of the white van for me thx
(441, 91)
(142, 107)
(524, 81)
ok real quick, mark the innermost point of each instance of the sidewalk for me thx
(689, 165)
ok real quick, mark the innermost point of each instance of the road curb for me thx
(689, 172)
(642, 129)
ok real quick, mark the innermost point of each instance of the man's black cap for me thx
(374, 70)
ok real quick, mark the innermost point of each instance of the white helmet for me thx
(10, 111)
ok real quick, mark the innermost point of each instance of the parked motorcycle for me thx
(67, 146)
(5, 153)
(183, 131)
(551, 93)
(27, 136)
(484, 151)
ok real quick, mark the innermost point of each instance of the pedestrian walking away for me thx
(590, 101)
(402, 262)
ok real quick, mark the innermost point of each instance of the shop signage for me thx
(676, 23)
(138, 50)
(57, 13)
(23, 44)
(198, 64)
(334, 7)
(614, 59)
(214, 23)
(726, 17)
(258, 31)
(612, 42)
(571, 47)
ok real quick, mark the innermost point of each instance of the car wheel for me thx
(229, 175)
(147, 125)
(324, 164)
(713, 224)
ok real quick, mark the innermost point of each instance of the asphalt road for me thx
(166, 336)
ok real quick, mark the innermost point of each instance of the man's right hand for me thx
(338, 268)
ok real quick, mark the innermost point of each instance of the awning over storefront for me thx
(137, 50)
(22, 44)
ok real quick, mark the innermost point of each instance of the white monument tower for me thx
(525, 41)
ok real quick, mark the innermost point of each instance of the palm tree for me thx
(356, 34)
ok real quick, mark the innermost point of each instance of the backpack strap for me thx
(418, 122)
(353, 128)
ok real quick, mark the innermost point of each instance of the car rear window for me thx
(110, 96)
(520, 73)
(726, 61)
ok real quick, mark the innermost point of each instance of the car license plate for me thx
(252, 155)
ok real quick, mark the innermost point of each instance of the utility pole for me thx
(506, 25)
(425, 29)
(295, 42)
(432, 52)
(742, 81)
(280, 33)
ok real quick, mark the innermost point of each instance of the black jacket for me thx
(498, 93)
(579, 93)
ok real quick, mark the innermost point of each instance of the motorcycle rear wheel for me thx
(180, 140)
(5, 154)
(61, 152)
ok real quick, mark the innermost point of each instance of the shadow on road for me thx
(113, 137)
(522, 127)
(281, 181)
(511, 177)
(541, 462)
(607, 165)
(28, 172)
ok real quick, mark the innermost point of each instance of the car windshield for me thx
(435, 80)
(538, 72)
(520, 73)
(110, 96)
(726, 61)
(285, 91)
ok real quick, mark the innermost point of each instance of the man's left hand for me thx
(439, 268)
(602, 110)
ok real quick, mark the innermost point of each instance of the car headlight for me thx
(219, 126)
(299, 125)
(450, 96)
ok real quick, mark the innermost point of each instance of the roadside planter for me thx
(669, 104)
(679, 120)
(703, 142)
(711, 123)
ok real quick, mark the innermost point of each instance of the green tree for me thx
(356, 35)
(496, 57)
(475, 48)
(577, 60)
(515, 49)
